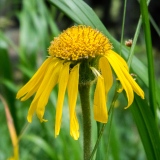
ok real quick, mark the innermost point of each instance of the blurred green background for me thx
(26, 29)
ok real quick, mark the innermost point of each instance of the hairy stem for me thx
(85, 104)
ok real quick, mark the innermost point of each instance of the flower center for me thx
(79, 42)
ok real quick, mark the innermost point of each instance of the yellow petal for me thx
(72, 98)
(122, 63)
(31, 87)
(119, 68)
(106, 73)
(46, 87)
(41, 88)
(31, 110)
(134, 85)
(46, 77)
(74, 132)
(100, 108)
(63, 80)
(119, 58)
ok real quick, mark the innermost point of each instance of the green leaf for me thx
(148, 41)
(6, 75)
(147, 128)
(38, 141)
(5, 64)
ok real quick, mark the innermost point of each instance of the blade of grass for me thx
(99, 148)
(123, 21)
(148, 41)
(147, 128)
(157, 29)
(11, 129)
(6, 74)
(38, 141)
(131, 54)
(141, 113)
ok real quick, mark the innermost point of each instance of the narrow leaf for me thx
(148, 41)
(11, 129)
(147, 128)
(38, 141)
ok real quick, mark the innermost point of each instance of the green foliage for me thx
(147, 127)
(6, 76)
(37, 28)
(148, 41)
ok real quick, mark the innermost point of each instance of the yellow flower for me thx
(74, 46)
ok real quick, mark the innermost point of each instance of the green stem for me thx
(148, 41)
(85, 104)
(123, 21)
(110, 126)
(155, 26)
(131, 54)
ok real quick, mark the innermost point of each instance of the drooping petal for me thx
(41, 88)
(100, 108)
(47, 76)
(72, 98)
(63, 80)
(134, 85)
(31, 87)
(119, 58)
(106, 73)
(49, 85)
(118, 68)
(31, 110)
(75, 131)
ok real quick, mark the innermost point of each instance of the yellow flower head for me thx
(75, 48)
(78, 43)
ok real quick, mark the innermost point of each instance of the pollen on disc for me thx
(79, 42)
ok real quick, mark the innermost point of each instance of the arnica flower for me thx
(78, 49)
